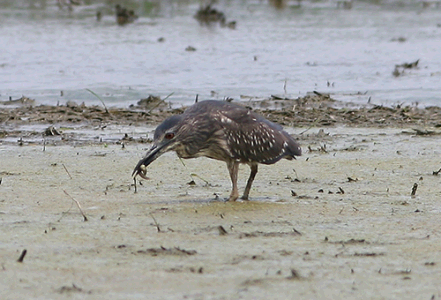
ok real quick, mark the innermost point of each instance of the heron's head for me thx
(165, 139)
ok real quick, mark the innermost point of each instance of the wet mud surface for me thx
(337, 223)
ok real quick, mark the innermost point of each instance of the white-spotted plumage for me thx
(223, 131)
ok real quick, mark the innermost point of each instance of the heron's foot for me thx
(245, 197)
(233, 197)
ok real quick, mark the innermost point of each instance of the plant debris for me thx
(270, 234)
(70, 289)
(167, 251)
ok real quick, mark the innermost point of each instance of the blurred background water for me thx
(286, 48)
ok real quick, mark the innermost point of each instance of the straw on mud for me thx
(66, 171)
(196, 175)
(99, 98)
(162, 100)
(78, 204)
(312, 125)
(156, 223)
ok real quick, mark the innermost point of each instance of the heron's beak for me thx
(152, 154)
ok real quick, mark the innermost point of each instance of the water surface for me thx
(293, 50)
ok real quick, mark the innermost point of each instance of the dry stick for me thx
(196, 175)
(66, 171)
(163, 100)
(22, 256)
(414, 189)
(99, 98)
(156, 223)
(436, 172)
(312, 125)
(193, 174)
(78, 204)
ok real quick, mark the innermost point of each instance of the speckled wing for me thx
(252, 138)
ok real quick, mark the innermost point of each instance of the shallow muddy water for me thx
(338, 238)
(316, 46)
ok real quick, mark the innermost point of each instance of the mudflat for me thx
(338, 223)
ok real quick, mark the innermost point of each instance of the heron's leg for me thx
(253, 167)
(233, 168)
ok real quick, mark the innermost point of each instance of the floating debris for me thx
(190, 49)
(207, 15)
(23, 101)
(400, 69)
(124, 16)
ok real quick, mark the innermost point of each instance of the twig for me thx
(312, 125)
(156, 223)
(222, 230)
(66, 171)
(162, 100)
(414, 189)
(99, 98)
(78, 204)
(196, 175)
(22, 255)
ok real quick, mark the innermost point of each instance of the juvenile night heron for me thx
(222, 131)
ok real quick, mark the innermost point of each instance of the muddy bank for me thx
(298, 112)
(314, 110)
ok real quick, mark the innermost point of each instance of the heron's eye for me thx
(169, 135)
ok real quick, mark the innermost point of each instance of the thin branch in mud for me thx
(414, 189)
(66, 171)
(22, 256)
(156, 223)
(196, 175)
(191, 174)
(78, 204)
(99, 98)
(436, 173)
(312, 125)
(222, 230)
(162, 101)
